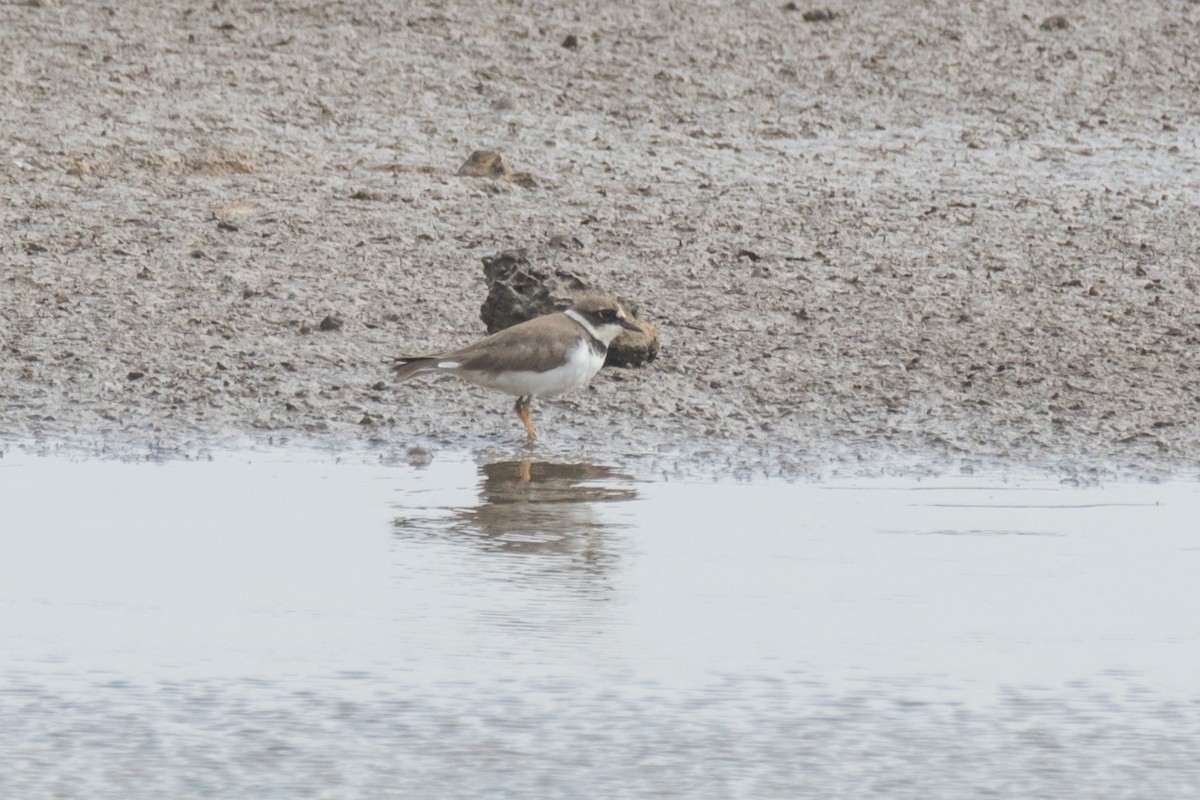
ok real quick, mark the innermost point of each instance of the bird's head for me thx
(603, 316)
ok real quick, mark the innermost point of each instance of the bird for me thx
(541, 357)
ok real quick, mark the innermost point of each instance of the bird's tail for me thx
(406, 367)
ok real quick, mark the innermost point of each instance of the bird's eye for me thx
(608, 314)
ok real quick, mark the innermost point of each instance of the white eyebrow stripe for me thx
(448, 364)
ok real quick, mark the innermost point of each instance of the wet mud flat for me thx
(967, 232)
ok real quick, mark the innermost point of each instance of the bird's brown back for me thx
(540, 343)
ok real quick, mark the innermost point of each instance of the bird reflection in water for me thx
(539, 508)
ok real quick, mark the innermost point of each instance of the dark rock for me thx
(518, 291)
(331, 323)
(571, 41)
(1055, 23)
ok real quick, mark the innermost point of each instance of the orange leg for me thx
(522, 409)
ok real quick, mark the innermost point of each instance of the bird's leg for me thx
(522, 409)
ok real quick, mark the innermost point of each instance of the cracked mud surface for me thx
(909, 232)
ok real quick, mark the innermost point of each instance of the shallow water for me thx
(275, 624)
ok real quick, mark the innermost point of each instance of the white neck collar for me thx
(587, 326)
(605, 333)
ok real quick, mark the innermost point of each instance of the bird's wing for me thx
(543, 341)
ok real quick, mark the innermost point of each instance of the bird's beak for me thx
(629, 324)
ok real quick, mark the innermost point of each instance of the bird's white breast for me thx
(581, 365)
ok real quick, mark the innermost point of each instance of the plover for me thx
(538, 358)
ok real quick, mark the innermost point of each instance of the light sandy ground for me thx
(922, 230)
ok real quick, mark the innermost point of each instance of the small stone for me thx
(486, 164)
(564, 241)
(633, 348)
(571, 42)
(819, 15)
(523, 179)
(135, 375)
(331, 323)
(1055, 23)
(79, 166)
(238, 210)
